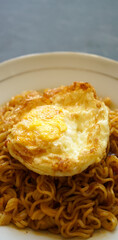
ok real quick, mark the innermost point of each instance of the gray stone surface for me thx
(34, 26)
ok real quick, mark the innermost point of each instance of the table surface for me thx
(37, 26)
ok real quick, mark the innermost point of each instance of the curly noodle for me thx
(72, 206)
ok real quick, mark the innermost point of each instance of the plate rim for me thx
(66, 53)
(64, 60)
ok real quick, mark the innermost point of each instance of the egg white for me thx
(65, 143)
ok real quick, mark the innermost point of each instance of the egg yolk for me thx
(45, 122)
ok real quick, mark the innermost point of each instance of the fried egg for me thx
(67, 131)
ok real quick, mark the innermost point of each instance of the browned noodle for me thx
(72, 206)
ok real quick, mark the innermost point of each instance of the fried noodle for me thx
(72, 206)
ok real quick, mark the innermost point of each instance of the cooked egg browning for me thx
(65, 136)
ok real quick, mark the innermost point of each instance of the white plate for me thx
(41, 71)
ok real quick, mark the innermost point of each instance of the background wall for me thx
(34, 26)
